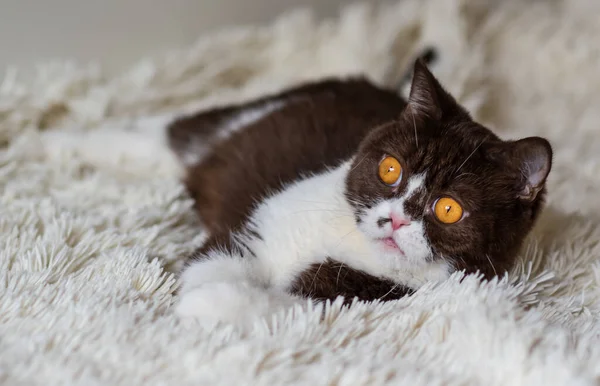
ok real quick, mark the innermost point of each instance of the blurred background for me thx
(33, 31)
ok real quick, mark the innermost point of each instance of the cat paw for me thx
(240, 304)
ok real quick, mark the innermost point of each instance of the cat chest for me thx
(304, 224)
(294, 241)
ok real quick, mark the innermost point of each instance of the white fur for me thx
(131, 145)
(304, 224)
(142, 143)
(194, 152)
(412, 267)
(198, 148)
(247, 117)
(226, 288)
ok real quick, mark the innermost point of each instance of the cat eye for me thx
(447, 210)
(390, 171)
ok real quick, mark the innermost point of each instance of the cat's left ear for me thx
(427, 98)
(533, 158)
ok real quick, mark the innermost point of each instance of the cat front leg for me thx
(223, 288)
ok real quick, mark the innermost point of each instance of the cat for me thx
(343, 188)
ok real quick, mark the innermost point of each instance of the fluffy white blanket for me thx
(91, 224)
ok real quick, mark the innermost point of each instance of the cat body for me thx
(342, 188)
(246, 152)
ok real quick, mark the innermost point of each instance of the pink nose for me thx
(398, 222)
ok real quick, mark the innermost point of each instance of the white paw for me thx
(240, 304)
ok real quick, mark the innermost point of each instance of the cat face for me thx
(436, 191)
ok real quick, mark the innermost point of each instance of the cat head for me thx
(436, 192)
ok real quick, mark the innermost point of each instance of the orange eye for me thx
(390, 171)
(447, 210)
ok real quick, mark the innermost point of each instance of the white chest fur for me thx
(304, 224)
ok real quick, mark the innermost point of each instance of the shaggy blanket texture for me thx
(92, 231)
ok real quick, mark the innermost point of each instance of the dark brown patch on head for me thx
(499, 184)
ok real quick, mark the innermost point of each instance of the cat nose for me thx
(398, 222)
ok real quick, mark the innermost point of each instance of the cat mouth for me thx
(391, 245)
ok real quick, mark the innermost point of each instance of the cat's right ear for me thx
(532, 157)
(427, 98)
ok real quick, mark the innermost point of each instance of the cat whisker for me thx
(322, 210)
(360, 204)
(492, 264)
(463, 261)
(312, 202)
(464, 174)
(359, 162)
(346, 235)
(425, 207)
(339, 217)
(316, 274)
(337, 280)
(303, 281)
(454, 265)
(389, 292)
(470, 155)
(447, 261)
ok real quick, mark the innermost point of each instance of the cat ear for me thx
(533, 158)
(427, 97)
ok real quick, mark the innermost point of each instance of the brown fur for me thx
(332, 279)
(463, 160)
(325, 123)
(322, 125)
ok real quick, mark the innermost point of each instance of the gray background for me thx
(118, 32)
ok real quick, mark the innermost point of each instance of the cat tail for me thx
(163, 145)
(135, 146)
